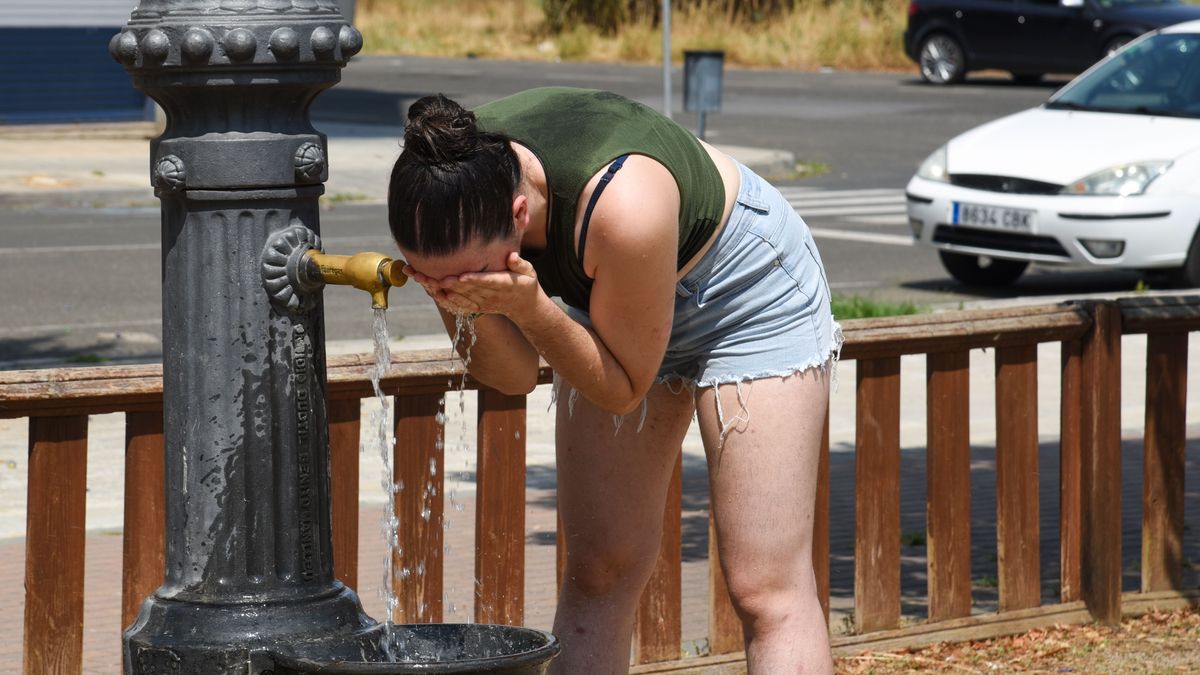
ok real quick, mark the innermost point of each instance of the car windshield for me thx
(1159, 75)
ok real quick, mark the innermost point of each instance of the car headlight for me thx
(1125, 180)
(934, 167)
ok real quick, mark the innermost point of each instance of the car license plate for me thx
(993, 217)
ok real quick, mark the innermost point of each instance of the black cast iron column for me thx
(248, 517)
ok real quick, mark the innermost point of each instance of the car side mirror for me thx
(1071, 3)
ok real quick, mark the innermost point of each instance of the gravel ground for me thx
(1160, 642)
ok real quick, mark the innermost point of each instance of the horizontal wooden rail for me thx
(1159, 314)
(966, 329)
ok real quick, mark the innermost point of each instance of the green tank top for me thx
(577, 132)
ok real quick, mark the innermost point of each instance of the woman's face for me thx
(474, 257)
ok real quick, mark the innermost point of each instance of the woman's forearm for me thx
(579, 356)
(498, 355)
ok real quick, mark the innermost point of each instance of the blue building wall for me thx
(63, 74)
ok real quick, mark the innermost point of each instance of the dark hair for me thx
(452, 183)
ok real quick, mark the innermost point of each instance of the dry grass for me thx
(850, 34)
(1159, 642)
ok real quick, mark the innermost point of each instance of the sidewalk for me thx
(110, 165)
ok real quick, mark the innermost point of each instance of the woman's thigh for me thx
(612, 481)
(763, 474)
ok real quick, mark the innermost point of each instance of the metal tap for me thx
(372, 272)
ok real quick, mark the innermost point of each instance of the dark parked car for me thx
(948, 38)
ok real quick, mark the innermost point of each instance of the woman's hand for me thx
(513, 292)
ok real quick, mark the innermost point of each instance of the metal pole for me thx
(666, 40)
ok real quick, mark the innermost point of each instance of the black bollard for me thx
(249, 586)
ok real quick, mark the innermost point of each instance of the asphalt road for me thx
(83, 285)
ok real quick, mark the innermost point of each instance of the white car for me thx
(1106, 174)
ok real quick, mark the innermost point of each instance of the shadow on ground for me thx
(1040, 282)
(984, 566)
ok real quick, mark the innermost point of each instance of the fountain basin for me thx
(435, 648)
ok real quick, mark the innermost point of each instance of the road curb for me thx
(78, 199)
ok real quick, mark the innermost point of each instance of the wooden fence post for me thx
(1070, 466)
(1166, 438)
(658, 627)
(1100, 476)
(420, 510)
(820, 535)
(144, 541)
(877, 496)
(948, 484)
(724, 626)
(500, 510)
(54, 544)
(1017, 508)
(344, 428)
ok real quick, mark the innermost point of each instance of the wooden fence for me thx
(57, 403)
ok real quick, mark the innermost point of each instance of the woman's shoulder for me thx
(639, 207)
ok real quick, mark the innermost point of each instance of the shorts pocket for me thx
(744, 267)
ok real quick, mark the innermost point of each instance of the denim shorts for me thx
(757, 304)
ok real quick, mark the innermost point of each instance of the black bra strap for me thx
(587, 213)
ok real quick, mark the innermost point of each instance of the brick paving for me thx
(102, 582)
(103, 562)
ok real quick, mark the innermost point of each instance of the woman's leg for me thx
(763, 487)
(611, 494)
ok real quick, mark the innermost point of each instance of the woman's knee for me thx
(618, 568)
(764, 597)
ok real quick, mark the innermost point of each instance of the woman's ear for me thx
(520, 211)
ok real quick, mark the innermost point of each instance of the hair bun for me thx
(440, 131)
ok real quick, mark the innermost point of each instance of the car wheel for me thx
(1115, 44)
(942, 60)
(980, 270)
(1188, 276)
(1027, 78)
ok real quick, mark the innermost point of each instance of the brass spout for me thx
(372, 272)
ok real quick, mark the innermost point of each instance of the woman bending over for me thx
(690, 286)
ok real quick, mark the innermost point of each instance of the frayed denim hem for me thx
(573, 396)
(826, 362)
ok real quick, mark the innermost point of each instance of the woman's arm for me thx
(498, 355)
(631, 254)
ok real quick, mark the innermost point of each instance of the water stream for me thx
(377, 429)
(464, 336)
(380, 438)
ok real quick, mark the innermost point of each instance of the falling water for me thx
(378, 423)
(464, 336)
(379, 429)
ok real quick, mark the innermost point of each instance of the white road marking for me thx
(899, 219)
(849, 211)
(868, 237)
(882, 207)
